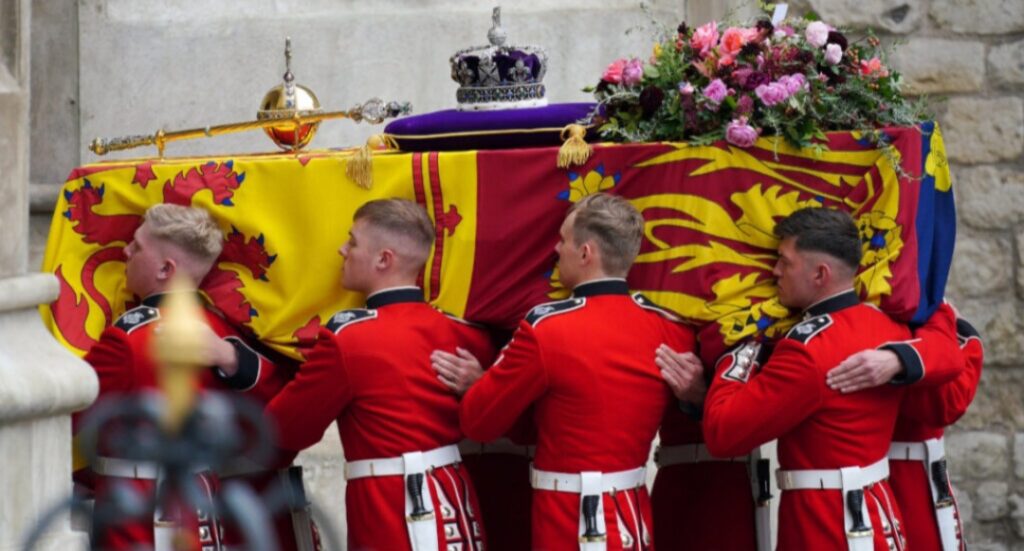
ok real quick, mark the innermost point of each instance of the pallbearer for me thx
(586, 364)
(370, 370)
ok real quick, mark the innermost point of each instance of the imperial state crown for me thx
(499, 76)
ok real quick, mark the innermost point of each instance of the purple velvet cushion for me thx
(500, 129)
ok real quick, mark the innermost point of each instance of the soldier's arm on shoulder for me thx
(517, 378)
(932, 356)
(742, 412)
(476, 338)
(318, 394)
(945, 404)
(253, 370)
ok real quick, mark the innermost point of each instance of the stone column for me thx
(40, 382)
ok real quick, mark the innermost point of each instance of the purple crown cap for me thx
(499, 76)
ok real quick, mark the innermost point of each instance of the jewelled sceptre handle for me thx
(373, 111)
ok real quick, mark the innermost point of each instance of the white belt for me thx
(591, 487)
(929, 452)
(830, 479)
(499, 446)
(394, 466)
(415, 466)
(127, 468)
(666, 456)
(915, 451)
(572, 482)
(848, 480)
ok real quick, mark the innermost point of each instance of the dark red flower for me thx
(756, 79)
(650, 100)
(836, 37)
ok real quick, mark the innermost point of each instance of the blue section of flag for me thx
(936, 234)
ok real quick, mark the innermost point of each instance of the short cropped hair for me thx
(189, 228)
(823, 230)
(614, 224)
(400, 217)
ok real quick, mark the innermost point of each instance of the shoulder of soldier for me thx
(458, 319)
(549, 309)
(808, 329)
(347, 318)
(648, 304)
(136, 318)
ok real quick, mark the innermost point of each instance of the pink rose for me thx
(745, 105)
(632, 72)
(816, 34)
(833, 54)
(740, 134)
(705, 37)
(771, 94)
(716, 91)
(613, 73)
(793, 83)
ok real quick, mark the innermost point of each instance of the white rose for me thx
(816, 34)
(833, 53)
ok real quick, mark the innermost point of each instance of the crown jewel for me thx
(499, 76)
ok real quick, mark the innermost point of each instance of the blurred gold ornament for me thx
(179, 349)
(286, 102)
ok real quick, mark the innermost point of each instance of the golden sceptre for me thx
(290, 114)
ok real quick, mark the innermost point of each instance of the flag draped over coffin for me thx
(707, 253)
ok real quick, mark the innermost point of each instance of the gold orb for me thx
(278, 105)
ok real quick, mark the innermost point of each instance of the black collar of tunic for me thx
(601, 287)
(394, 296)
(154, 301)
(833, 303)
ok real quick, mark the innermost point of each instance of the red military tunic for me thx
(370, 370)
(924, 414)
(816, 427)
(587, 365)
(700, 505)
(123, 364)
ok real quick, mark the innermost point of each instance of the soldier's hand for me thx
(219, 352)
(457, 371)
(865, 369)
(683, 372)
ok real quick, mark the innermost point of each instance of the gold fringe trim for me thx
(575, 150)
(360, 166)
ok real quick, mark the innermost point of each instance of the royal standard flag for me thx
(707, 253)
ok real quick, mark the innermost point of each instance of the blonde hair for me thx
(614, 224)
(190, 229)
(404, 219)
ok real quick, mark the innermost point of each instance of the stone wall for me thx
(972, 52)
(40, 381)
